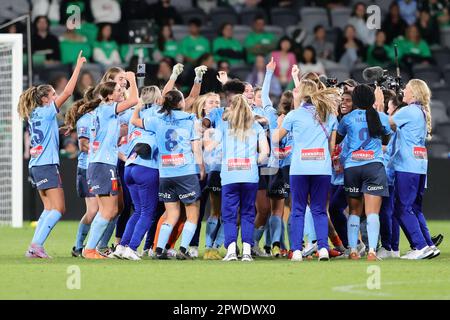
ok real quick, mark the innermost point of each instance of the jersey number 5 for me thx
(37, 135)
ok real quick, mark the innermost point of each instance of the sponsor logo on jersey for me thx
(41, 182)
(420, 153)
(36, 151)
(351, 189)
(313, 154)
(172, 160)
(363, 155)
(282, 152)
(239, 164)
(135, 134)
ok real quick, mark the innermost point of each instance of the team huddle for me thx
(345, 166)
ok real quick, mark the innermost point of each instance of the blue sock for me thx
(83, 230)
(98, 227)
(275, 228)
(353, 230)
(164, 234)
(107, 234)
(257, 234)
(187, 234)
(283, 230)
(220, 237)
(309, 230)
(40, 224)
(289, 230)
(211, 226)
(373, 229)
(267, 235)
(47, 225)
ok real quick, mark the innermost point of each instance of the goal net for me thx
(11, 133)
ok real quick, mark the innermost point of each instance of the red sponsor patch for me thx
(172, 160)
(363, 155)
(123, 140)
(95, 145)
(239, 164)
(134, 135)
(36, 151)
(313, 154)
(282, 152)
(114, 184)
(420, 153)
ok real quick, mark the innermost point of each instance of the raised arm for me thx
(176, 71)
(136, 118)
(195, 90)
(70, 86)
(133, 99)
(270, 68)
(295, 72)
(279, 133)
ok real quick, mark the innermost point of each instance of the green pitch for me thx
(263, 279)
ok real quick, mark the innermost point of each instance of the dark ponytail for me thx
(171, 102)
(364, 98)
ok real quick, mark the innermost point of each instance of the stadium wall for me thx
(436, 200)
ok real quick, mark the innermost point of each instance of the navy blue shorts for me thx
(82, 184)
(214, 183)
(263, 183)
(287, 186)
(45, 177)
(277, 186)
(185, 189)
(367, 179)
(103, 179)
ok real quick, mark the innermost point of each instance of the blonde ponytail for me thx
(239, 116)
(422, 93)
(31, 98)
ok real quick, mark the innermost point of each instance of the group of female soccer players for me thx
(338, 159)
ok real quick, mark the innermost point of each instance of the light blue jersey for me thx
(361, 149)
(311, 154)
(239, 158)
(104, 135)
(44, 136)
(83, 131)
(138, 135)
(213, 159)
(286, 149)
(174, 135)
(124, 119)
(388, 156)
(337, 159)
(411, 153)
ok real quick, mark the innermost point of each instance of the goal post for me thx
(11, 130)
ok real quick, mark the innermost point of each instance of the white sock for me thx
(247, 248)
(231, 248)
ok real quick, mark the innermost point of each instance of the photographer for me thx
(412, 125)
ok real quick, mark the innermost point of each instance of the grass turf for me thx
(22, 278)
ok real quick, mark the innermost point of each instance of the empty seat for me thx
(221, 15)
(208, 32)
(312, 16)
(340, 16)
(427, 73)
(241, 72)
(339, 72)
(441, 56)
(441, 93)
(447, 74)
(357, 72)
(445, 37)
(278, 31)
(443, 131)
(438, 149)
(95, 69)
(241, 32)
(247, 15)
(283, 17)
(180, 31)
(191, 13)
